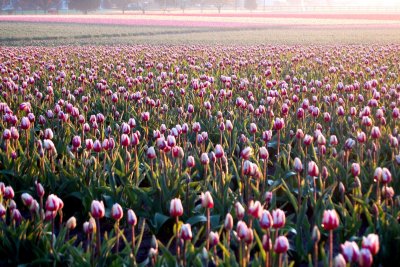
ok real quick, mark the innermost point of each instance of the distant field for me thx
(173, 29)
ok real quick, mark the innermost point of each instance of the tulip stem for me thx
(299, 190)
(184, 253)
(280, 260)
(330, 248)
(278, 143)
(133, 241)
(177, 239)
(52, 233)
(378, 195)
(117, 236)
(98, 242)
(208, 229)
(315, 254)
(265, 180)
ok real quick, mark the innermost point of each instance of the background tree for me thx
(250, 4)
(219, 4)
(45, 5)
(84, 6)
(122, 4)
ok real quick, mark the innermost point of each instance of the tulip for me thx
(186, 232)
(313, 171)
(365, 259)
(52, 203)
(377, 178)
(350, 251)
(16, 216)
(208, 203)
(239, 210)
(255, 209)
(219, 151)
(243, 233)
(264, 155)
(339, 261)
(266, 220)
(70, 225)
(371, 242)
(98, 211)
(117, 214)
(8, 192)
(190, 163)
(132, 221)
(27, 199)
(3, 211)
(298, 168)
(281, 246)
(278, 218)
(176, 210)
(228, 226)
(186, 235)
(330, 221)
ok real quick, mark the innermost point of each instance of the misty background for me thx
(85, 6)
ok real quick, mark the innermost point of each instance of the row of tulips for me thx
(315, 128)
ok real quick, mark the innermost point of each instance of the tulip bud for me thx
(97, 209)
(371, 242)
(125, 140)
(190, 163)
(255, 209)
(241, 229)
(266, 220)
(76, 141)
(3, 210)
(246, 153)
(350, 251)
(355, 169)
(279, 123)
(213, 238)
(330, 220)
(386, 176)
(313, 170)
(281, 245)
(85, 227)
(204, 159)
(26, 199)
(39, 189)
(263, 153)
(278, 218)
(316, 236)
(186, 232)
(52, 203)
(50, 215)
(378, 174)
(239, 210)
(365, 259)
(339, 261)
(16, 216)
(298, 165)
(228, 224)
(268, 197)
(207, 200)
(266, 243)
(375, 132)
(151, 153)
(131, 218)
(8, 192)
(219, 151)
(71, 223)
(116, 212)
(176, 209)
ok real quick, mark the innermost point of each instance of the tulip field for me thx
(200, 155)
